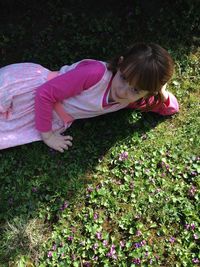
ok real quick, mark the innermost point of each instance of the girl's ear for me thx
(120, 60)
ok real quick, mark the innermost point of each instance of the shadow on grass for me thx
(33, 175)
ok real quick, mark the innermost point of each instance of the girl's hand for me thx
(57, 141)
(164, 93)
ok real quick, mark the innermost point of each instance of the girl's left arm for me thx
(167, 106)
(64, 86)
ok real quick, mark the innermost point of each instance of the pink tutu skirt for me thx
(18, 84)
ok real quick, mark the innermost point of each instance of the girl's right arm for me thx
(69, 84)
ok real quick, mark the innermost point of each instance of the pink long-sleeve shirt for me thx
(86, 74)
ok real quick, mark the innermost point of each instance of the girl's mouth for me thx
(117, 96)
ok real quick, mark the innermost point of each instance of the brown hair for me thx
(147, 67)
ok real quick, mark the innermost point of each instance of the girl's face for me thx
(122, 92)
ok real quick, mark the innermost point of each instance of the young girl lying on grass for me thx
(38, 104)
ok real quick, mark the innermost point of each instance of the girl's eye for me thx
(123, 77)
(135, 90)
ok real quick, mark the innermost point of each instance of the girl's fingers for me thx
(69, 143)
(65, 145)
(60, 149)
(68, 137)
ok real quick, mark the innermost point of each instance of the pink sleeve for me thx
(69, 84)
(169, 107)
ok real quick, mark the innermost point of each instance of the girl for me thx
(38, 104)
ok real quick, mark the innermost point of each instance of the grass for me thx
(127, 193)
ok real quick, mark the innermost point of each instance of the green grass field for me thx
(127, 192)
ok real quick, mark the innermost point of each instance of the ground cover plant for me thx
(127, 193)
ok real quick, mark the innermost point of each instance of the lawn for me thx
(127, 192)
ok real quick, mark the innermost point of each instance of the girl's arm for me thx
(69, 84)
(168, 105)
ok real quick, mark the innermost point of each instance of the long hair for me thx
(147, 67)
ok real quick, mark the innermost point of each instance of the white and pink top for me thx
(81, 91)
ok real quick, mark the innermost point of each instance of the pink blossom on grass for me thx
(193, 173)
(138, 233)
(136, 261)
(49, 255)
(99, 235)
(137, 245)
(86, 264)
(140, 244)
(192, 190)
(96, 216)
(112, 252)
(34, 189)
(89, 189)
(73, 257)
(73, 229)
(187, 226)
(98, 187)
(172, 240)
(195, 236)
(64, 206)
(143, 242)
(195, 260)
(105, 243)
(190, 226)
(122, 244)
(70, 238)
(95, 246)
(123, 156)
(167, 166)
(54, 247)
(95, 258)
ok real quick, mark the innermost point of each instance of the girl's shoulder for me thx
(89, 71)
(92, 64)
(93, 69)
